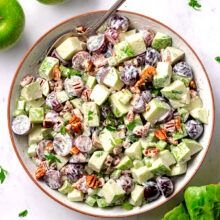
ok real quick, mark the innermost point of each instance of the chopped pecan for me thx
(130, 116)
(80, 29)
(172, 141)
(26, 80)
(85, 96)
(117, 150)
(76, 124)
(116, 160)
(192, 85)
(58, 85)
(170, 126)
(41, 170)
(141, 130)
(67, 108)
(161, 134)
(151, 152)
(92, 181)
(193, 93)
(74, 150)
(177, 122)
(56, 73)
(48, 123)
(146, 75)
(108, 161)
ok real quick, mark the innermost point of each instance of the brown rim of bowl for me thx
(26, 169)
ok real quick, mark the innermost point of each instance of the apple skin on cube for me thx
(32, 91)
(112, 192)
(75, 196)
(36, 115)
(46, 67)
(141, 174)
(97, 160)
(163, 74)
(112, 79)
(91, 114)
(156, 110)
(137, 44)
(69, 47)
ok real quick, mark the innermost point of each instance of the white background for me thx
(200, 28)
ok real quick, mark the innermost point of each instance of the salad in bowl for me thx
(113, 120)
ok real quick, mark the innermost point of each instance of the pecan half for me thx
(41, 170)
(74, 150)
(161, 134)
(56, 73)
(92, 181)
(151, 152)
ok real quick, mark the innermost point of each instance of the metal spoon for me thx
(90, 30)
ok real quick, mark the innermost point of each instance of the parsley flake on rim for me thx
(52, 158)
(23, 213)
(194, 4)
(217, 59)
(3, 174)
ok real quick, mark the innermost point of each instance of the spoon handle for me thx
(99, 23)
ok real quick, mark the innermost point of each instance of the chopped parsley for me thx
(194, 4)
(99, 154)
(111, 128)
(52, 158)
(133, 138)
(73, 72)
(23, 213)
(218, 59)
(90, 115)
(127, 206)
(128, 50)
(3, 174)
(63, 130)
(133, 124)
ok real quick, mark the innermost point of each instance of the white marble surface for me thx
(200, 28)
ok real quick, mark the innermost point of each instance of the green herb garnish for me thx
(111, 128)
(218, 59)
(73, 72)
(3, 174)
(176, 92)
(52, 158)
(194, 4)
(127, 206)
(133, 138)
(23, 213)
(128, 51)
(99, 154)
(63, 130)
(132, 125)
(90, 115)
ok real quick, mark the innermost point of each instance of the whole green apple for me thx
(12, 21)
(51, 2)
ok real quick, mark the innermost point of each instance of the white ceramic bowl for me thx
(30, 64)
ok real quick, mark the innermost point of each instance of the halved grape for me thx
(80, 60)
(53, 179)
(183, 69)
(96, 43)
(119, 23)
(72, 172)
(152, 57)
(151, 191)
(130, 75)
(165, 185)
(194, 128)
